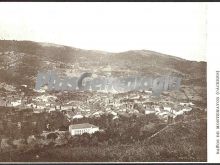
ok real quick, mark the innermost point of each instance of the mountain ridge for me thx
(49, 44)
(21, 60)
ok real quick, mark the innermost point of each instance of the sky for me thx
(177, 29)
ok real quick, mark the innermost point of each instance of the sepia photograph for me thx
(103, 82)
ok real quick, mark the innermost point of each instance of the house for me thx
(115, 117)
(88, 115)
(187, 104)
(77, 116)
(16, 103)
(187, 109)
(148, 92)
(96, 114)
(164, 114)
(149, 111)
(79, 129)
(167, 109)
(157, 108)
(113, 113)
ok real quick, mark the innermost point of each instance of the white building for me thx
(149, 111)
(79, 129)
(187, 104)
(77, 116)
(167, 109)
(16, 103)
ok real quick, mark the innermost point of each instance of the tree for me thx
(52, 136)
(85, 139)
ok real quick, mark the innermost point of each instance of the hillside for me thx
(21, 60)
(182, 142)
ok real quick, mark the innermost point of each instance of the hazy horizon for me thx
(177, 29)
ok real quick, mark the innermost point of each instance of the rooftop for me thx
(83, 125)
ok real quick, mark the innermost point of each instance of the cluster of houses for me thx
(168, 111)
(95, 105)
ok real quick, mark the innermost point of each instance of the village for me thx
(82, 107)
(86, 104)
(34, 120)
